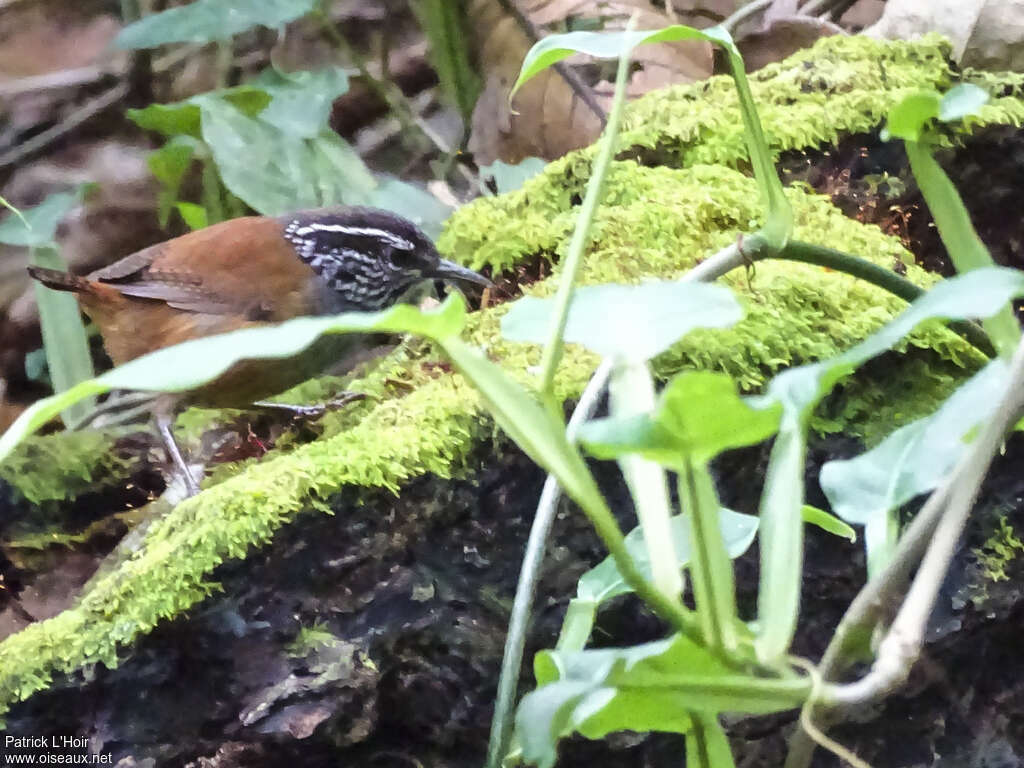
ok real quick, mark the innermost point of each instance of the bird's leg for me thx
(164, 422)
(312, 411)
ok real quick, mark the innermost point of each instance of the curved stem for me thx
(884, 278)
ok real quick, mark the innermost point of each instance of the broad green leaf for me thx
(644, 688)
(914, 459)
(169, 165)
(603, 582)
(632, 322)
(193, 363)
(508, 178)
(183, 117)
(546, 719)
(412, 202)
(827, 522)
(293, 173)
(700, 414)
(300, 102)
(297, 173)
(206, 21)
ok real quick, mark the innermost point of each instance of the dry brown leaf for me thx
(550, 118)
(782, 38)
(42, 37)
(862, 14)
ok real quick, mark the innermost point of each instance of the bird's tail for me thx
(59, 281)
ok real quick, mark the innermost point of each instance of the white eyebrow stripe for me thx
(395, 240)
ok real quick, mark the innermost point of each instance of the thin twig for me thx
(580, 88)
(742, 14)
(86, 112)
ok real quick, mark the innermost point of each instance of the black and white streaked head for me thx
(368, 258)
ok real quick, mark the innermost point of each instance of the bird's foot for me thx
(313, 411)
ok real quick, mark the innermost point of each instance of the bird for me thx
(250, 272)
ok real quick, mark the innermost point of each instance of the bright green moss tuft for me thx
(1001, 548)
(60, 467)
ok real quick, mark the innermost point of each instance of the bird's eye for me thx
(401, 258)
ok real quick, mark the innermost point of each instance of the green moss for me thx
(1001, 548)
(420, 418)
(60, 467)
(309, 640)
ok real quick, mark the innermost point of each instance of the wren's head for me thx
(368, 258)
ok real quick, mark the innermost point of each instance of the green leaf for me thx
(183, 117)
(632, 322)
(912, 114)
(444, 25)
(193, 215)
(300, 102)
(700, 414)
(965, 248)
(293, 173)
(603, 582)
(412, 202)
(508, 178)
(296, 173)
(914, 459)
(541, 437)
(960, 101)
(169, 165)
(64, 337)
(205, 21)
(609, 45)
(37, 226)
(707, 746)
(909, 117)
(827, 522)
(650, 687)
(976, 294)
(193, 363)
